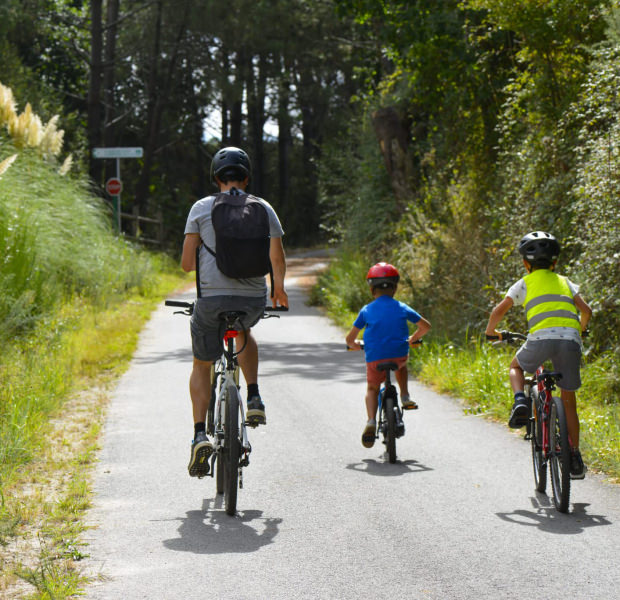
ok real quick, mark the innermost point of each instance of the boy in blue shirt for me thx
(386, 339)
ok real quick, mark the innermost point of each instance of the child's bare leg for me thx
(569, 399)
(517, 377)
(372, 401)
(402, 379)
(519, 413)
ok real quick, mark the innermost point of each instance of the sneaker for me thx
(201, 451)
(520, 413)
(577, 468)
(368, 437)
(408, 403)
(256, 412)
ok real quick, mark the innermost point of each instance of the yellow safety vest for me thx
(549, 301)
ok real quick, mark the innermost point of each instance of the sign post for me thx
(114, 185)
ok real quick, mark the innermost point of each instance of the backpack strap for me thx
(234, 191)
(198, 292)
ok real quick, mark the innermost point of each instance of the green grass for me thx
(73, 299)
(477, 373)
(57, 381)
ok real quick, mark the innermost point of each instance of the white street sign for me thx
(123, 152)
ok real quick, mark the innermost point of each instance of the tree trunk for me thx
(256, 84)
(285, 143)
(225, 105)
(94, 88)
(312, 114)
(109, 137)
(157, 97)
(236, 115)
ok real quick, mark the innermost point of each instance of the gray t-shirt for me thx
(212, 281)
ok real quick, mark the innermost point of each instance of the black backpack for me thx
(241, 225)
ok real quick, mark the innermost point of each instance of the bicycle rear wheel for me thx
(536, 437)
(231, 450)
(390, 413)
(219, 473)
(559, 455)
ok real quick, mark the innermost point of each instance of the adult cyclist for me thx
(230, 171)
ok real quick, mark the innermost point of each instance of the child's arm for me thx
(585, 312)
(422, 328)
(497, 314)
(351, 339)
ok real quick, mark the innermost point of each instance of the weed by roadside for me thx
(68, 370)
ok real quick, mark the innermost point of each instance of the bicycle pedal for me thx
(411, 407)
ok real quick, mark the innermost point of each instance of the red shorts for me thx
(376, 377)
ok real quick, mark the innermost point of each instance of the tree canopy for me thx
(433, 133)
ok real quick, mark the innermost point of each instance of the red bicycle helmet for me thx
(382, 275)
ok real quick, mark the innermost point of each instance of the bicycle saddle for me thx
(388, 366)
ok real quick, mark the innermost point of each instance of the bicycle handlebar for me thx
(362, 344)
(189, 306)
(506, 336)
(179, 303)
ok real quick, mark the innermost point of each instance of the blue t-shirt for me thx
(387, 334)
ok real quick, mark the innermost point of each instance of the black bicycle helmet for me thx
(232, 162)
(539, 248)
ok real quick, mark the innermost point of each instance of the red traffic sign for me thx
(113, 186)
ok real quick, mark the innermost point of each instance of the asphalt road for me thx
(320, 516)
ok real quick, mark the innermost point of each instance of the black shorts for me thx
(565, 355)
(207, 328)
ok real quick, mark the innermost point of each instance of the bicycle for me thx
(390, 424)
(226, 421)
(547, 431)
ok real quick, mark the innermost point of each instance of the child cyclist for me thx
(386, 339)
(556, 316)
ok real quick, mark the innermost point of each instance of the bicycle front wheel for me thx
(231, 449)
(390, 413)
(536, 440)
(559, 455)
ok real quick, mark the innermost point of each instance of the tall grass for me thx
(59, 261)
(56, 241)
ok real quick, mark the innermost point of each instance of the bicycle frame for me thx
(390, 428)
(226, 370)
(547, 430)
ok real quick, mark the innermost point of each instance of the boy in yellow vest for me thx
(556, 317)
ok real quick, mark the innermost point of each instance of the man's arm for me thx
(188, 258)
(278, 265)
(497, 314)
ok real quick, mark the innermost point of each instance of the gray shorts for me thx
(207, 329)
(565, 356)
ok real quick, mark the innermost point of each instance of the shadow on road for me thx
(179, 355)
(312, 361)
(380, 468)
(546, 518)
(212, 531)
